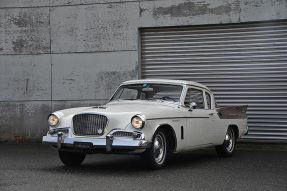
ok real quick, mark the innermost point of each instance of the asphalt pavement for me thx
(38, 167)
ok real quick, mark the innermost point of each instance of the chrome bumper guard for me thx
(109, 142)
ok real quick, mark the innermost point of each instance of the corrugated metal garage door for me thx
(241, 63)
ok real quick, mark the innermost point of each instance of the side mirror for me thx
(192, 106)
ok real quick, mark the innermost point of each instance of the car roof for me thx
(166, 81)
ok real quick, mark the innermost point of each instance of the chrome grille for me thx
(55, 131)
(119, 133)
(66, 131)
(123, 134)
(90, 124)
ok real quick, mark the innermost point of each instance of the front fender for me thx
(173, 128)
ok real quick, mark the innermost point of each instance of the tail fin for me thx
(233, 112)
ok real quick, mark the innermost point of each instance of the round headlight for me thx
(138, 121)
(53, 120)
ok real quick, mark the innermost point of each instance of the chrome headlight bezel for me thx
(53, 120)
(138, 121)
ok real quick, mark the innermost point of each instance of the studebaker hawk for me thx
(151, 118)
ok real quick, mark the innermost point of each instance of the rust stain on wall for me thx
(19, 45)
(191, 9)
(26, 120)
(20, 21)
(26, 31)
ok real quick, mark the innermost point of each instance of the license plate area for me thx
(83, 145)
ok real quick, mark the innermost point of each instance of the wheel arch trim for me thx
(170, 130)
(235, 128)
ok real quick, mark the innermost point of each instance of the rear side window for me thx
(194, 95)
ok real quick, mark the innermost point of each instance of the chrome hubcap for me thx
(229, 138)
(159, 148)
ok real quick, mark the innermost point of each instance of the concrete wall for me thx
(62, 53)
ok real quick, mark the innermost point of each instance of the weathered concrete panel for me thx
(60, 105)
(23, 3)
(182, 12)
(24, 31)
(91, 76)
(84, 2)
(89, 28)
(24, 77)
(255, 10)
(27, 119)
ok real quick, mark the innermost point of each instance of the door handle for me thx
(211, 113)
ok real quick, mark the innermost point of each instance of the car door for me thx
(214, 128)
(218, 127)
(198, 119)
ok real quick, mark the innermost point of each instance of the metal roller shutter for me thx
(241, 63)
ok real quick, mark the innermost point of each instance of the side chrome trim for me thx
(179, 118)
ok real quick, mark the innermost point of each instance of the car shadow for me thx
(129, 164)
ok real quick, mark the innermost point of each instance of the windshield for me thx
(148, 92)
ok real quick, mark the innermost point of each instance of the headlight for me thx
(53, 120)
(138, 121)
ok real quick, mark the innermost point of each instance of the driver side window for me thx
(194, 95)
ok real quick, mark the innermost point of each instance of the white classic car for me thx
(151, 118)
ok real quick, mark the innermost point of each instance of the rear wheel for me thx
(71, 159)
(228, 146)
(155, 156)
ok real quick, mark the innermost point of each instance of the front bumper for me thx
(109, 143)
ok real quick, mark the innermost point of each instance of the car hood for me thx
(150, 109)
(120, 113)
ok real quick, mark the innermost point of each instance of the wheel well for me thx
(171, 137)
(235, 129)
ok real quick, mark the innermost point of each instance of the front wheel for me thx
(155, 156)
(228, 146)
(71, 159)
